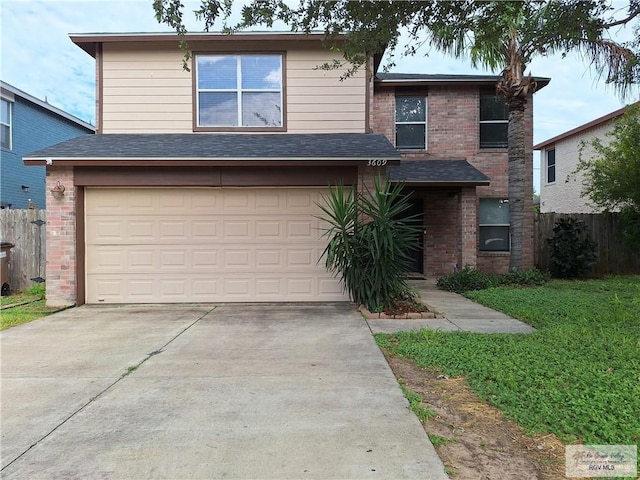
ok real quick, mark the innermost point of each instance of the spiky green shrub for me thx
(572, 251)
(370, 238)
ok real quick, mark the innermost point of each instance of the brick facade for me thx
(451, 214)
(61, 239)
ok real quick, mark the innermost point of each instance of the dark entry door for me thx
(416, 209)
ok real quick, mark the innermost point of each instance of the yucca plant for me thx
(370, 237)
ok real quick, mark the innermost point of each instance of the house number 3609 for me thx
(377, 163)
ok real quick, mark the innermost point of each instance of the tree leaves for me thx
(612, 173)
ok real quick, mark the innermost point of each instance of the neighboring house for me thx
(203, 185)
(560, 187)
(28, 124)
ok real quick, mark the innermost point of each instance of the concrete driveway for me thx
(186, 392)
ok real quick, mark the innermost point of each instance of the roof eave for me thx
(448, 183)
(204, 161)
(541, 82)
(89, 41)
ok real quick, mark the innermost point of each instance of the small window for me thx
(551, 165)
(411, 123)
(5, 124)
(239, 91)
(494, 225)
(494, 121)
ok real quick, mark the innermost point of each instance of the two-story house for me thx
(27, 124)
(203, 185)
(560, 185)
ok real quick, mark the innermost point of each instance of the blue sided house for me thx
(28, 124)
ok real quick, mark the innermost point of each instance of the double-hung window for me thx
(5, 123)
(411, 123)
(551, 165)
(494, 225)
(239, 91)
(494, 120)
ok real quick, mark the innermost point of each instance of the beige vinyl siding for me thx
(317, 101)
(145, 89)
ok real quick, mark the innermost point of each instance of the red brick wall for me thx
(468, 237)
(61, 238)
(493, 262)
(453, 133)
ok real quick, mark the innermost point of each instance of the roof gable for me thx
(582, 128)
(16, 92)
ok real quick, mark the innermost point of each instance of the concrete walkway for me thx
(460, 314)
(197, 392)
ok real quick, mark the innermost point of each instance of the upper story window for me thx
(239, 91)
(5, 124)
(494, 225)
(551, 165)
(411, 123)
(494, 119)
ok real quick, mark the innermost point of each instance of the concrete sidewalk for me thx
(460, 314)
(204, 392)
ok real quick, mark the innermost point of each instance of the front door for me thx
(416, 208)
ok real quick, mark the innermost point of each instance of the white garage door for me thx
(150, 245)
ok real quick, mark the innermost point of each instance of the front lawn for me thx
(577, 377)
(29, 306)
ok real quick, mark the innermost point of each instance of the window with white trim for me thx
(494, 225)
(551, 165)
(239, 90)
(6, 123)
(494, 121)
(411, 123)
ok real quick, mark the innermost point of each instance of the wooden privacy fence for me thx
(614, 256)
(27, 259)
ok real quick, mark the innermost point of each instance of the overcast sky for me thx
(38, 58)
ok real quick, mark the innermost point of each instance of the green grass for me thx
(36, 308)
(416, 405)
(577, 377)
(437, 440)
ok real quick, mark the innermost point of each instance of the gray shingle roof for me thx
(347, 146)
(434, 172)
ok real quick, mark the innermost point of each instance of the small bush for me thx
(466, 279)
(36, 290)
(532, 277)
(469, 279)
(572, 252)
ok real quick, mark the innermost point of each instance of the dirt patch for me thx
(483, 445)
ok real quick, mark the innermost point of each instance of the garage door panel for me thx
(237, 259)
(269, 287)
(238, 229)
(270, 229)
(174, 230)
(205, 259)
(194, 287)
(204, 230)
(205, 245)
(268, 258)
